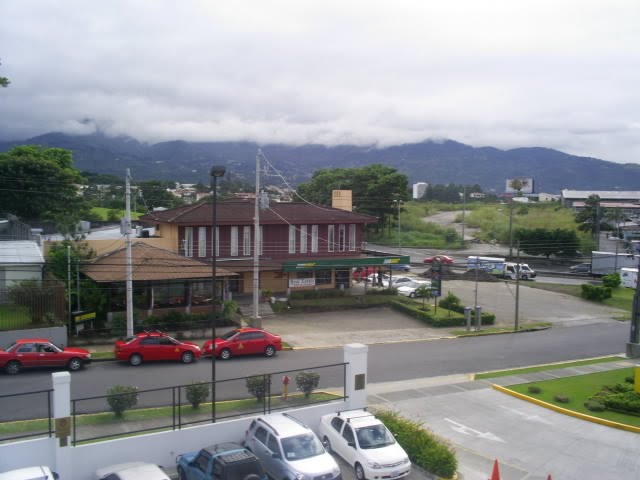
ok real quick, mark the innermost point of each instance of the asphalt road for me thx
(387, 362)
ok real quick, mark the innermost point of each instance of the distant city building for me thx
(571, 197)
(342, 199)
(419, 190)
(526, 182)
(548, 197)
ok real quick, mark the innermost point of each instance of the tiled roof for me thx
(234, 212)
(149, 263)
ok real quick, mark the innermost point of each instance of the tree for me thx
(424, 292)
(374, 189)
(4, 81)
(156, 194)
(590, 217)
(540, 241)
(41, 183)
(518, 184)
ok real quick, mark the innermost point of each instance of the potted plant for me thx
(266, 293)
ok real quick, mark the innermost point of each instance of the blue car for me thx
(401, 266)
(229, 461)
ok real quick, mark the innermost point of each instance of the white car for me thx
(364, 443)
(132, 471)
(409, 289)
(30, 473)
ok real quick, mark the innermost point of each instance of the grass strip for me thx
(542, 368)
(579, 389)
(530, 327)
(186, 411)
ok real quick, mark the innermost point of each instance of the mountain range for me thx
(434, 162)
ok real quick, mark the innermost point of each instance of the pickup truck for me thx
(223, 461)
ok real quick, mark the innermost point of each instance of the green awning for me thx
(299, 265)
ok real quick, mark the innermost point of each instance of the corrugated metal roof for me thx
(603, 194)
(22, 252)
(149, 264)
(235, 212)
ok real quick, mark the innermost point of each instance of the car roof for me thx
(151, 334)
(284, 424)
(132, 471)
(358, 418)
(33, 340)
(28, 473)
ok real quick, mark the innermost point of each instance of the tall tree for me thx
(374, 189)
(41, 183)
(590, 217)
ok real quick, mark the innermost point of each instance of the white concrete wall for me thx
(39, 451)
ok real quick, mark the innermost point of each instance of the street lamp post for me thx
(216, 172)
(399, 202)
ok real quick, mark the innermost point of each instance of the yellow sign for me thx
(83, 317)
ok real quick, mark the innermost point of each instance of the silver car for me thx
(287, 448)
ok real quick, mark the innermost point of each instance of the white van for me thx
(526, 272)
(628, 277)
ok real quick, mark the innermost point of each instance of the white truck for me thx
(500, 267)
(604, 263)
(629, 277)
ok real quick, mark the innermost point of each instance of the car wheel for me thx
(327, 444)
(187, 357)
(270, 351)
(359, 472)
(135, 359)
(181, 474)
(525, 277)
(225, 354)
(412, 295)
(74, 364)
(12, 367)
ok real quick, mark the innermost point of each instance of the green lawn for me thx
(14, 317)
(579, 389)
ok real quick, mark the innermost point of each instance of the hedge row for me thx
(415, 310)
(322, 293)
(424, 448)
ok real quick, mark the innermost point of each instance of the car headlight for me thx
(373, 464)
(300, 476)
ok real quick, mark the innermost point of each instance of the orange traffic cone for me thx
(495, 475)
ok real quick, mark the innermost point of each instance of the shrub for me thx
(322, 293)
(627, 402)
(424, 448)
(561, 398)
(534, 389)
(197, 393)
(612, 280)
(595, 293)
(257, 386)
(121, 398)
(307, 382)
(594, 406)
(451, 302)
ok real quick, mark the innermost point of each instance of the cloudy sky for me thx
(563, 74)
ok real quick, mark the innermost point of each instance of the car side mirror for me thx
(276, 455)
(352, 444)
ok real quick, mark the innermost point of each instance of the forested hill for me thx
(429, 161)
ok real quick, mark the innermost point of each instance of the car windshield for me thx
(301, 446)
(228, 335)
(412, 284)
(374, 436)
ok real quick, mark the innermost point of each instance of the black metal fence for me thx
(26, 415)
(172, 408)
(33, 304)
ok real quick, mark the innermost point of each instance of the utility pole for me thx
(399, 241)
(510, 227)
(464, 207)
(633, 346)
(516, 326)
(127, 233)
(78, 308)
(257, 321)
(69, 328)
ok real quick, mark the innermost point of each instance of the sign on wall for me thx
(302, 282)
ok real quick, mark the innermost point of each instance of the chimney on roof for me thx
(342, 199)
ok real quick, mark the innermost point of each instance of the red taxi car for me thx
(151, 346)
(40, 352)
(439, 258)
(244, 341)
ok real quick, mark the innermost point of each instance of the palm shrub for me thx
(197, 393)
(121, 398)
(307, 382)
(612, 280)
(451, 302)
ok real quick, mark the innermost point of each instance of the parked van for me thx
(628, 277)
(492, 265)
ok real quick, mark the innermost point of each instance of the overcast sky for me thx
(551, 73)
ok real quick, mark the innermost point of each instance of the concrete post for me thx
(62, 419)
(355, 356)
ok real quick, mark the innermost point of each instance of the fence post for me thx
(355, 356)
(61, 412)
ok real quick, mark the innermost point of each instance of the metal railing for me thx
(28, 421)
(171, 408)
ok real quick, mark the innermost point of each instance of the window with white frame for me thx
(188, 241)
(292, 239)
(331, 237)
(342, 237)
(202, 241)
(246, 240)
(314, 238)
(234, 241)
(217, 234)
(352, 237)
(303, 239)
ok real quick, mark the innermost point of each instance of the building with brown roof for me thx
(300, 245)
